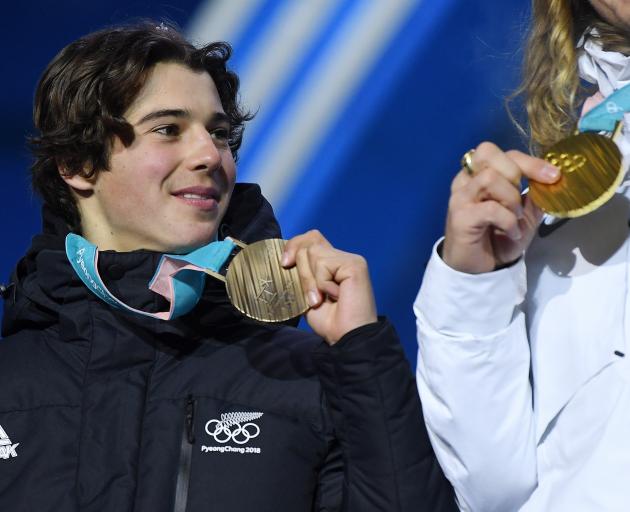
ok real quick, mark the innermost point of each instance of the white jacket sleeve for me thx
(474, 382)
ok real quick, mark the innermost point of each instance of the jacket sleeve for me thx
(473, 379)
(389, 462)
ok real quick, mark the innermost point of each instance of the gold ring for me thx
(467, 162)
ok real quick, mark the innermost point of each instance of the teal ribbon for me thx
(604, 116)
(181, 277)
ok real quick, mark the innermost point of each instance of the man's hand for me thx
(336, 283)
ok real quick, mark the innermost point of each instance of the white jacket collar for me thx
(609, 70)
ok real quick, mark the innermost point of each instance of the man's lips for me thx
(204, 198)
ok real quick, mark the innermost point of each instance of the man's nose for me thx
(205, 154)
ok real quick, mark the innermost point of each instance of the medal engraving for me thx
(270, 296)
(591, 170)
(567, 162)
(259, 287)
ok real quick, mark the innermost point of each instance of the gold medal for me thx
(591, 167)
(260, 288)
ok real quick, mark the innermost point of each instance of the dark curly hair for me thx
(84, 92)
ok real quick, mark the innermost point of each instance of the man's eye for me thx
(170, 130)
(221, 135)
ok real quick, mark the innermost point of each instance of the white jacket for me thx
(562, 443)
(524, 373)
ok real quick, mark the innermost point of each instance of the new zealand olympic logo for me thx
(234, 426)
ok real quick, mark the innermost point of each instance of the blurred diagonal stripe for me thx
(341, 66)
(279, 51)
(221, 20)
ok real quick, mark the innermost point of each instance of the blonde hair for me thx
(551, 84)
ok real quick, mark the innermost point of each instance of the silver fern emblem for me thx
(234, 418)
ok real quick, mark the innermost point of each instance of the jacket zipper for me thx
(185, 457)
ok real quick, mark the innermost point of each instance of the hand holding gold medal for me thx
(490, 224)
(337, 285)
(276, 280)
(590, 162)
(591, 170)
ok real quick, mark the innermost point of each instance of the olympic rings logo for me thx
(612, 107)
(235, 427)
(567, 162)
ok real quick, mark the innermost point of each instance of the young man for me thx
(107, 406)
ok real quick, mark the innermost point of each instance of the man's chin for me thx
(192, 243)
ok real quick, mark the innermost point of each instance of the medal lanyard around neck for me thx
(179, 278)
(604, 116)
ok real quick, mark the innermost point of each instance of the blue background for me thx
(375, 179)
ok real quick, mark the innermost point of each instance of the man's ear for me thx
(80, 182)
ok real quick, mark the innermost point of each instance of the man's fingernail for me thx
(520, 212)
(284, 259)
(313, 298)
(550, 172)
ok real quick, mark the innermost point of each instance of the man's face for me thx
(168, 190)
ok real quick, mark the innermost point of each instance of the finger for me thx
(305, 240)
(534, 168)
(490, 185)
(512, 164)
(326, 263)
(462, 178)
(489, 213)
(490, 156)
(307, 278)
(331, 267)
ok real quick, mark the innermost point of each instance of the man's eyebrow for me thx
(167, 112)
(220, 117)
(217, 117)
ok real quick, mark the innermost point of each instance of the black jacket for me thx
(104, 411)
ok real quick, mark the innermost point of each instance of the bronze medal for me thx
(260, 288)
(591, 167)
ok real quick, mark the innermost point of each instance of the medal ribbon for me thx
(604, 116)
(179, 278)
